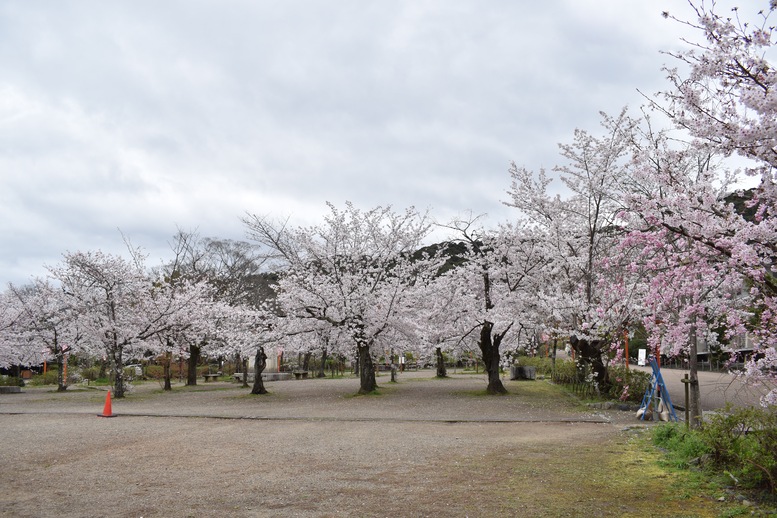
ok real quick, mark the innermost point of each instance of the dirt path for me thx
(424, 447)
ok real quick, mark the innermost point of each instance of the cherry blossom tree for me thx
(692, 292)
(47, 319)
(580, 223)
(15, 346)
(437, 312)
(723, 96)
(120, 308)
(724, 92)
(503, 275)
(353, 272)
(242, 331)
(233, 272)
(191, 329)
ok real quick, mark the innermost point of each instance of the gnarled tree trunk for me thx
(118, 371)
(490, 350)
(442, 372)
(194, 359)
(321, 373)
(260, 362)
(168, 374)
(61, 366)
(367, 381)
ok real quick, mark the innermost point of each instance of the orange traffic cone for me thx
(107, 412)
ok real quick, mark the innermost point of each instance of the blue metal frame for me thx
(657, 382)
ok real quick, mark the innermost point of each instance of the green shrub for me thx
(49, 378)
(566, 372)
(90, 373)
(11, 381)
(743, 441)
(627, 384)
(130, 373)
(155, 372)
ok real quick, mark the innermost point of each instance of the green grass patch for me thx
(624, 476)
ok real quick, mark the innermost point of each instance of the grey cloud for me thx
(145, 115)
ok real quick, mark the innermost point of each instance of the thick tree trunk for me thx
(442, 372)
(306, 361)
(321, 373)
(118, 372)
(553, 359)
(194, 359)
(168, 372)
(367, 381)
(490, 349)
(694, 404)
(61, 378)
(260, 362)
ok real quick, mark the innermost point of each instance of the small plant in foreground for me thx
(739, 444)
(743, 441)
(682, 446)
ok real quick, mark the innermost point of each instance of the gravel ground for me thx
(423, 447)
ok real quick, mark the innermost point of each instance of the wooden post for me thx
(687, 383)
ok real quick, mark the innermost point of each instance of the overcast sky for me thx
(146, 116)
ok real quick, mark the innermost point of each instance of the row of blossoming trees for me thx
(117, 310)
(642, 232)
